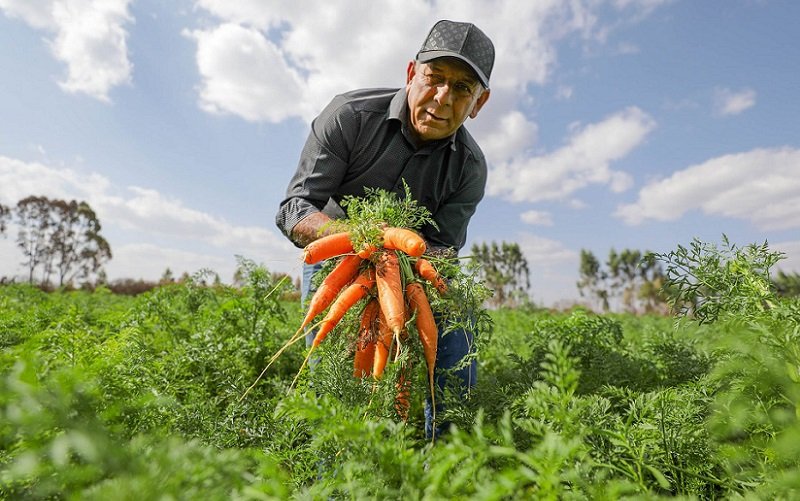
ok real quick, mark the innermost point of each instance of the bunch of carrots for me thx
(375, 273)
(388, 277)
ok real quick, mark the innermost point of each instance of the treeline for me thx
(60, 240)
(504, 269)
(636, 282)
(627, 281)
(61, 244)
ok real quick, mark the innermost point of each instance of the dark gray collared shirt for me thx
(361, 140)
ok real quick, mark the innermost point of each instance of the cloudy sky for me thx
(636, 124)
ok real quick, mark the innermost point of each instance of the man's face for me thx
(441, 94)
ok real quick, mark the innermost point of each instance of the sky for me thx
(612, 124)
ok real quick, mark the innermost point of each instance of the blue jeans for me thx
(307, 289)
(452, 348)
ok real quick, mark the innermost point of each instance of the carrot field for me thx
(105, 396)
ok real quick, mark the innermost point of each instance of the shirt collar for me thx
(398, 110)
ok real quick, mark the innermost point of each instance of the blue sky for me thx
(635, 124)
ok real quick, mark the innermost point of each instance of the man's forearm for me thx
(311, 228)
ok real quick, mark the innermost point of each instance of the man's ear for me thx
(411, 71)
(479, 103)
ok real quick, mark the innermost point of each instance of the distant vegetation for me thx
(60, 240)
(62, 246)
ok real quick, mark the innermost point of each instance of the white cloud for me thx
(513, 133)
(327, 50)
(37, 13)
(19, 179)
(306, 48)
(643, 7)
(535, 217)
(89, 37)
(245, 74)
(542, 251)
(159, 222)
(627, 48)
(761, 186)
(564, 92)
(270, 61)
(728, 102)
(584, 160)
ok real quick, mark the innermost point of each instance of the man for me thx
(381, 138)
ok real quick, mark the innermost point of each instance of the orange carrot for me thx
(404, 240)
(390, 292)
(340, 275)
(327, 247)
(349, 296)
(382, 346)
(426, 270)
(426, 327)
(364, 359)
(402, 405)
(365, 345)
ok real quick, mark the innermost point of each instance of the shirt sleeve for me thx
(322, 166)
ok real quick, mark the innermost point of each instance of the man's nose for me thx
(443, 94)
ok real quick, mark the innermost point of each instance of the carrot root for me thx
(344, 271)
(327, 247)
(426, 270)
(404, 240)
(427, 331)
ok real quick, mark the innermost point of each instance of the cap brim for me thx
(430, 55)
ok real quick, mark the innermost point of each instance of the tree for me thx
(5, 214)
(60, 237)
(652, 289)
(78, 248)
(35, 228)
(629, 281)
(167, 277)
(504, 269)
(592, 281)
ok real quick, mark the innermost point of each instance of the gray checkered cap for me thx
(463, 41)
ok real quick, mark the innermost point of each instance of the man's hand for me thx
(441, 252)
(311, 228)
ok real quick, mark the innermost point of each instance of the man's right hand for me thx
(311, 228)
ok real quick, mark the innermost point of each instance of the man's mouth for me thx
(434, 117)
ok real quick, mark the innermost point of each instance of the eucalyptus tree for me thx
(504, 269)
(60, 238)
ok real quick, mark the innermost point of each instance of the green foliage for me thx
(106, 396)
(707, 281)
(366, 215)
(755, 419)
(56, 444)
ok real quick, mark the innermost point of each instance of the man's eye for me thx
(462, 88)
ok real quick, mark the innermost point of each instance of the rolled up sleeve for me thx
(322, 166)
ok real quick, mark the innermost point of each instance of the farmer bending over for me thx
(381, 138)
